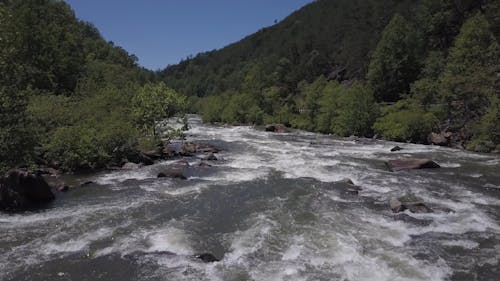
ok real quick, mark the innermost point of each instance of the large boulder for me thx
(20, 191)
(276, 128)
(176, 170)
(411, 164)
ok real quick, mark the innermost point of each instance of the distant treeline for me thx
(397, 69)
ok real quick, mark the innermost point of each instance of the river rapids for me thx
(270, 210)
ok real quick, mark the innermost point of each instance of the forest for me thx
(68, 98)
(412, 71)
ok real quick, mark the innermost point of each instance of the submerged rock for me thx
(398, 205)
(411, 164)
(20, 191)
(409, 219)
(276, 128)
(203, 165)
(211, 157)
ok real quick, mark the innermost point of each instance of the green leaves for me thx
(155, 102)
(394, 63)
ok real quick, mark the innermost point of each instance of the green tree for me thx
(471, 75)
(156, 102)
(357, 111)
(394, 63)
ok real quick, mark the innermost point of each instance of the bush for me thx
(405, 124)
(76, 147)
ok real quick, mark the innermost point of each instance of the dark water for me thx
(270, 211)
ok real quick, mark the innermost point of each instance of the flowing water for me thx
(271, 211)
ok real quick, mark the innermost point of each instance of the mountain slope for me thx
(322, 37)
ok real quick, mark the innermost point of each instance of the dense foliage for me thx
(397, 69)
(65, 93)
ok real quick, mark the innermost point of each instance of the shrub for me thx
(405, 124)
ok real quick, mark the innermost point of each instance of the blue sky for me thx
(162, 32)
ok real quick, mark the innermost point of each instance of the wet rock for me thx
(348, 187)
(140, 158)
(87, 183)
(61, 187)
(396, 148)
(346, 181)
(153, 154)
(207, 258)
(411, 164)
(203, 165)
(20, 190)
(190, 148)
(176, 170)
(276, 128)
(211, 157)
(411, 220)
(130, 166)
(398, 205)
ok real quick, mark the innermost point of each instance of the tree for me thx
(471, 77)
(357, 111)
(155, 102)
(394, 63)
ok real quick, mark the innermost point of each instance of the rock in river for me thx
(396, 148)
(400, 205)
(276, 128)
(176, 170)
(411, 164)
(20, 191)
(191, 148)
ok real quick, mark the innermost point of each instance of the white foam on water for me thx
(466, 244)
(450, 165)
(170, 239)
(76, 244)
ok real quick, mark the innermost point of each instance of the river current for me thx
(270, 210)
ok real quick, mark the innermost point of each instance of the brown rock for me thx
(276, 128)
(411, 164)
(175, 170)
(20, 190)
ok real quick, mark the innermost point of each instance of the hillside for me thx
(66, 94)
(408, 54)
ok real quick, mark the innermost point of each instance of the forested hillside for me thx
(397, 69)
(68, 98)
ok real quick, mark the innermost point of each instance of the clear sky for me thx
(162, 32)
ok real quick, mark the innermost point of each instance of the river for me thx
(270, 210)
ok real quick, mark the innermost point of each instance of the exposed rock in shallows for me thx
(20, 191)
(411, 164)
